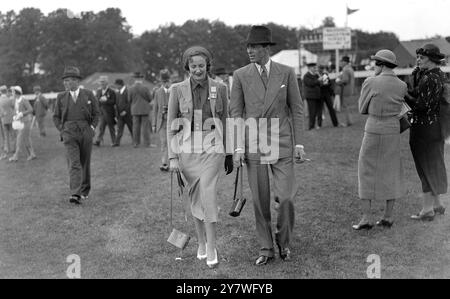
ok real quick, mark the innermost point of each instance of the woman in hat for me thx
(380, 175)
(23, 113)
(196, 144)
(426, 141)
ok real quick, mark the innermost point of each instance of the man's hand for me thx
(153, 129)
(239, 158)
(123, 113)
(174, 165)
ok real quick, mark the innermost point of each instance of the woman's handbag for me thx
(404, 124)
(238, 202)
(177, 238)
(18, 125)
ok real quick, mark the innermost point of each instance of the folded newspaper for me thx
(405, 109)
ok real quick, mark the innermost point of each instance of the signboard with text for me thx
(337, 38)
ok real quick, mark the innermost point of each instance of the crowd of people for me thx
(199, 108)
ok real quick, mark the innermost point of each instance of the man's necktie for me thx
(264, 77)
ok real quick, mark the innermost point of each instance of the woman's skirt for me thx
(427, 148)
(380, 172)
(201, 171)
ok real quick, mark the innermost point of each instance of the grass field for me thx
(121, 231)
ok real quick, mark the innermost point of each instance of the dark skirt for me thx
(427, 147)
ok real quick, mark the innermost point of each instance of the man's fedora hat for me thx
(346, 59)
(71, 72)
(431, 51)
(164, 74)
(385, 56)
(260, 35)
(310, 64)
(138, 75)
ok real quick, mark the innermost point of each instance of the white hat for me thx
(18, 89)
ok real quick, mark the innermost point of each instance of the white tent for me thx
(290, 58)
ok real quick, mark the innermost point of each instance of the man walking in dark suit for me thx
(140, 109)
(107, 101)
(312, 83)
(76, 116)
(40, 108)
(267, 93)
(123, 105)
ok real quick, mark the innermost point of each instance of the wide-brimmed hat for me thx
(385, 56)
(431, 51)
(17, 89)
(164, 75)
(71, 72)
(260, 35)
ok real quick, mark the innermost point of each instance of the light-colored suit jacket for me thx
(181, 110)
(281, 101)
(140, 99)
(382, 97)
(347, 82)
(6, 109)
(160, 100)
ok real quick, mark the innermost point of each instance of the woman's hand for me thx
(229, 164)
(174, 165)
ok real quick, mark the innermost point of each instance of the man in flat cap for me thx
(40, 108)
(76, 116)
(107, 101)
(267, 93)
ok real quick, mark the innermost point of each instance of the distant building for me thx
(406, 50)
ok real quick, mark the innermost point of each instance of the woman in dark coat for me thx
(426, 140)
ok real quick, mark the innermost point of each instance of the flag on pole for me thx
(350, 11)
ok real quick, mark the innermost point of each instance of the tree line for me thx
(35, 48)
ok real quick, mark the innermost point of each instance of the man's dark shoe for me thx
(263, 260)
(97, 143)
(75, 199)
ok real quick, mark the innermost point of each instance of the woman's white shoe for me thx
(214, 262)
(201, 256)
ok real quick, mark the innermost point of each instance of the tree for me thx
(328, 22)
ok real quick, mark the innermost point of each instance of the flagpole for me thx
(346, 15)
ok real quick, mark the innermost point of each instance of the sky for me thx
(409, 19)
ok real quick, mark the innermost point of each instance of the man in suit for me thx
(346, 81)
(107, 101)
(327, 94)
(267, 92)
(123, 105)
(159, 119)
(140, 109)
(40, 109)
(76, 116)
(312, 82)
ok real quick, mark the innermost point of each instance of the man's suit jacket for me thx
(89, 106)
(140, 99)
(40, 106)
(123, 102)
(160, 100)
(347, 82)
(282, 101)
(311, 84)
(107, 108)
